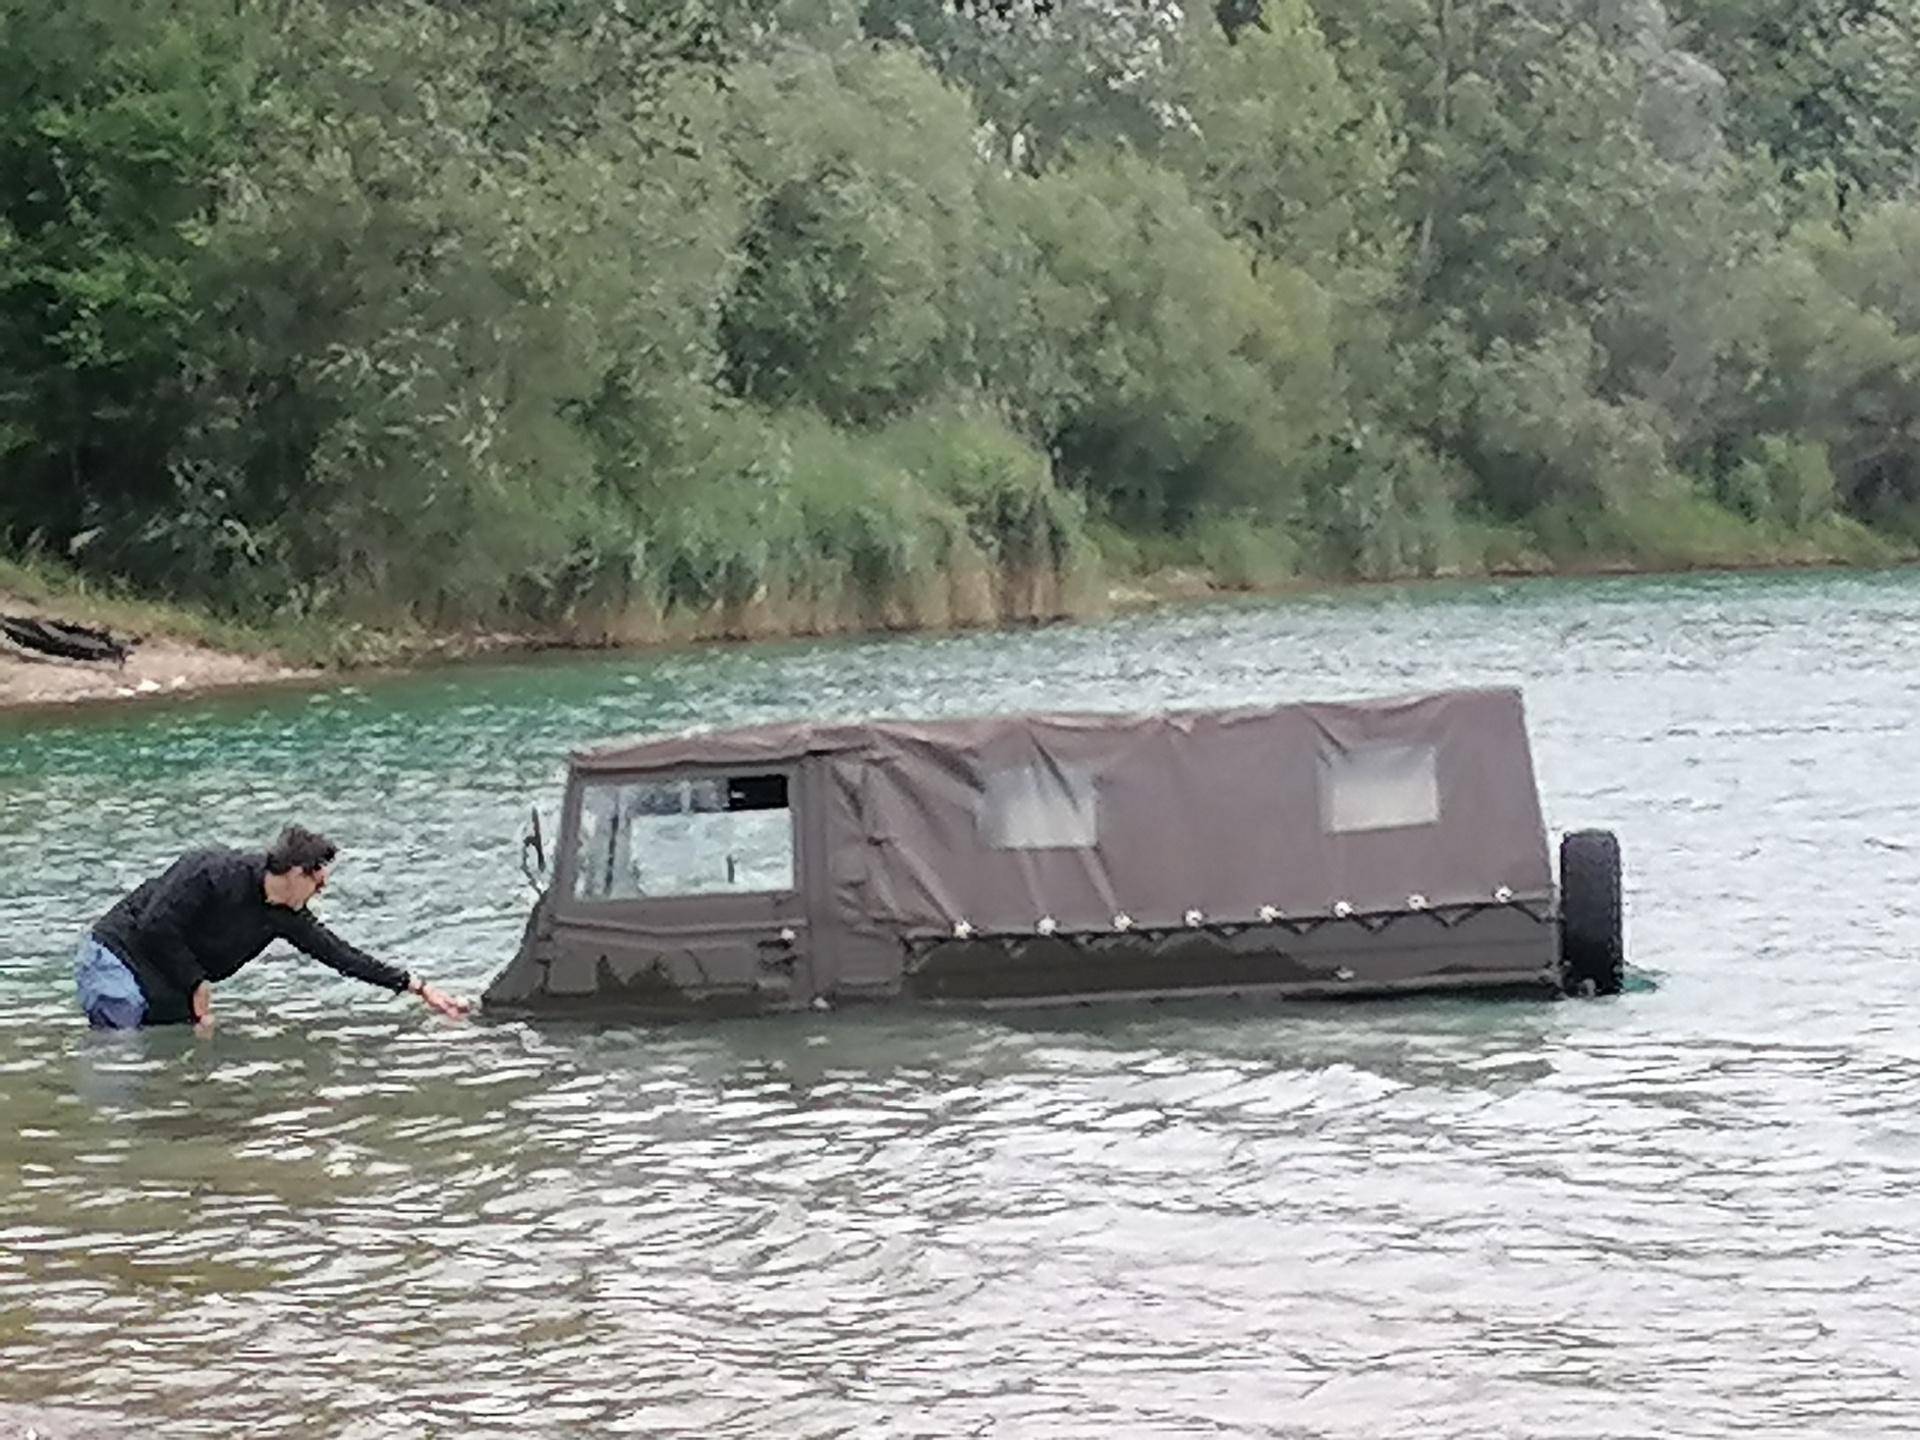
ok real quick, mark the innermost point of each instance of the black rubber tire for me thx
(1593, 951)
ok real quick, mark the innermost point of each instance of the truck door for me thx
(682, 893)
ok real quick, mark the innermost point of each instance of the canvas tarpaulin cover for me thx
(1004, 822)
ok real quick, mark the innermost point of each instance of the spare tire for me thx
(1593, 952)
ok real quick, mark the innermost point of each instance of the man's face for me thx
(312, 882)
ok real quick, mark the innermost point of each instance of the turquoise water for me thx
(1685, 1211)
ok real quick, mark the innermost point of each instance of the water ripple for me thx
(1685, 1212)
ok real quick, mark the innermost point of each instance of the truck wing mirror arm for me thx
(533, 853)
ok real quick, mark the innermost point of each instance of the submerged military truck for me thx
(1311, 850)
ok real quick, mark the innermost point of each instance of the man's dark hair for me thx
(300, 849)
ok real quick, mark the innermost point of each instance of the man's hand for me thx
(203, 1006)
(438, 1000)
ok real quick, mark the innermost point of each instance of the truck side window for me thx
(697, 835)
(1036, 807)
(1378, 787)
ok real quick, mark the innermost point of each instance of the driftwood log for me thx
(64, 639)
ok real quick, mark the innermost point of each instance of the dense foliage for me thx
(814, 313)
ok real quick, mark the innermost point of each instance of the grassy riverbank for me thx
(189, 647)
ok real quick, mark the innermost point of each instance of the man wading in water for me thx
(152, 959)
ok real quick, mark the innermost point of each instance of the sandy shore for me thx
(156, 667)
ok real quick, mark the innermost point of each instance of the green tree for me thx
(1824, 346)
(864, 236)
(116, 121)
(1165, 375)
(1820, 86)
(1047, 74)
(436, 366)
(1297, 163)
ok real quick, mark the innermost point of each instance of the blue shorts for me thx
(109, 994)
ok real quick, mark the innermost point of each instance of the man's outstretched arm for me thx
(305, 933)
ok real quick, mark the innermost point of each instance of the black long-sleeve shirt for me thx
(205, 917)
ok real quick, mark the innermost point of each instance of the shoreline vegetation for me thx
(183, 650)
(340, 333)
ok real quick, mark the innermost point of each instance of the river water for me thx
(1691, 1210)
